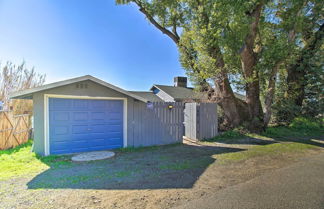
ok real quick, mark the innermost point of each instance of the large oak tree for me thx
(240, 44)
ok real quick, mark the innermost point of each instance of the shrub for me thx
(228, 135)
(284, 111)
(298, 127)
(306, 124)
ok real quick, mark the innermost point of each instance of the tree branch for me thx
(174, 30)
(173, 36)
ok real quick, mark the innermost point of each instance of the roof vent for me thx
(180, 81)
(81, 85)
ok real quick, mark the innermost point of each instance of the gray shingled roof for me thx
(148, 95)
(179, 93)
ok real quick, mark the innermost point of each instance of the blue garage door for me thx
(82, 125)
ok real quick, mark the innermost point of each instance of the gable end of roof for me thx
(27, 93)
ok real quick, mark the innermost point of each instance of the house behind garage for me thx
(179, 92)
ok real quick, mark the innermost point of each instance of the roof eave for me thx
(26, 96)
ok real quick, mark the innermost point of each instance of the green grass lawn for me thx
(265, 150)
(299, 128)
(21, 161)
(297, 137)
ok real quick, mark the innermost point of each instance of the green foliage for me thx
(214, 29)
(307, 124)
(299, 127)
(285, 108)
(284, 111)
(313, 104)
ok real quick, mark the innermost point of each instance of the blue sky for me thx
(69, 38)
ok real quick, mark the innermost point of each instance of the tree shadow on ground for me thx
(166, 167)
(315, 141)
(246, 140)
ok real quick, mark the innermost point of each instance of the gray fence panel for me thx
(200, 120)
(190, 117)
(157, 125)
(208, 121)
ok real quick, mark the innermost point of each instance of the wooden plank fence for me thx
(157, 123)
(14, 129)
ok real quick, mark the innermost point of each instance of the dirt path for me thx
(161, 178)
(300, 185)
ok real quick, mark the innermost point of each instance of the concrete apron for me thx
(89, 156)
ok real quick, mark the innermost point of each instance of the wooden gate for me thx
(14, 129)
(200, 120)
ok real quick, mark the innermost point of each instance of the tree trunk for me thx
(296, 84)
(254, 104)
(249, 60)
(270, 94)
(235, 111)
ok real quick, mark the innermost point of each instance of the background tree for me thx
(14, 78)
(226, 44)
(302, 81)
